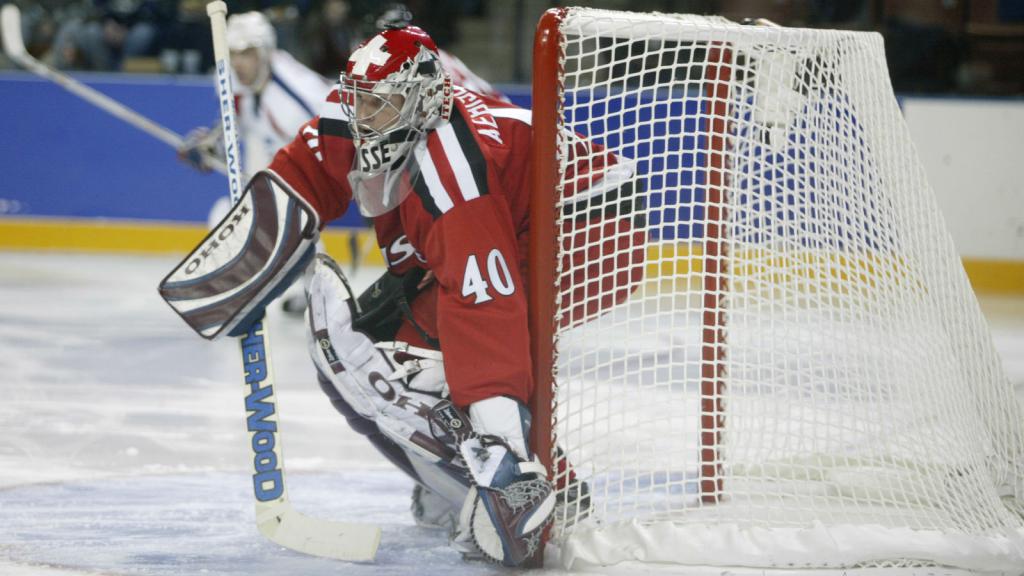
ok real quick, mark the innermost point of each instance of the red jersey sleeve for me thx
(303, 163)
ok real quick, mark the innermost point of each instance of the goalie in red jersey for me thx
(432, 363)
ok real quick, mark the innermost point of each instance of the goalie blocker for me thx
(246, 261)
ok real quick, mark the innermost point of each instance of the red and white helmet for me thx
(393, 90)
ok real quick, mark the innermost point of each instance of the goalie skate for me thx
(572, 503)
(430, 510)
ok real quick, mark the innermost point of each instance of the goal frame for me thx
(821, 544)
(543, 250)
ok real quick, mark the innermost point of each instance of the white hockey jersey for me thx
(269, 120)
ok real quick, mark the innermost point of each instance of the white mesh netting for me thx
(854, 410)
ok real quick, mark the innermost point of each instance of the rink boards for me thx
(79, 179)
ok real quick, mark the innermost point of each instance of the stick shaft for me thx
(259, 374)
(275, 517)
(226, 96)
(255, 348)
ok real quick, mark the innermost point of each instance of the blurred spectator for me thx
(185, 43)
(331, 34)
(334, 28)
(923, 44)
(440, 18)
(839, 14)
(108, 31)
(38, 27)
(931, 45)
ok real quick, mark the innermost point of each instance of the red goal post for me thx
(543, 246)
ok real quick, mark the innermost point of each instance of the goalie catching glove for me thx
(512, 501)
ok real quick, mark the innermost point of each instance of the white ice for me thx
(123, 447)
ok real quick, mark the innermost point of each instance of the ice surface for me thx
(123, 447)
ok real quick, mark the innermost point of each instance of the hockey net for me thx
(803, 378)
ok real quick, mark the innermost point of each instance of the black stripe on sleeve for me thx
(471, 148)
(294, 95)
(419, 186)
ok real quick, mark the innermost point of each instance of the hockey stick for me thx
(14, 47)
(275, 516)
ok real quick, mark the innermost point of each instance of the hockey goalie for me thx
(432, 362)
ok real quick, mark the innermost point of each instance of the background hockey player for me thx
(274, 95)
(432, 362)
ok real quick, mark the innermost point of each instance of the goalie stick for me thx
(275, 516)
(14, 48)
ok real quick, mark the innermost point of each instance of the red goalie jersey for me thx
(466, 220)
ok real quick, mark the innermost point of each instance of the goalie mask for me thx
(393, 90)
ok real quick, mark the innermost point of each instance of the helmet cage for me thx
(375, 114)
(391, 112)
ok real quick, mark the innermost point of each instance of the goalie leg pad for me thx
(367, 427)
(370, 375)
(437, 511)
(391, 392)
(247, 260)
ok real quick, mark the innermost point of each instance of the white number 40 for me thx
(473, 283)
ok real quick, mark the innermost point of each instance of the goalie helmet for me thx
(393, 90)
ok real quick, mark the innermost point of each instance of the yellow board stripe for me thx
(995, 276)
(135, 237)
(663, 261)
(680, 260)
(97, 235)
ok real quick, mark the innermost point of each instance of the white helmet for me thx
(250, 30)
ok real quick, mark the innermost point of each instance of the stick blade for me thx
(10, 31)
(287, 527)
